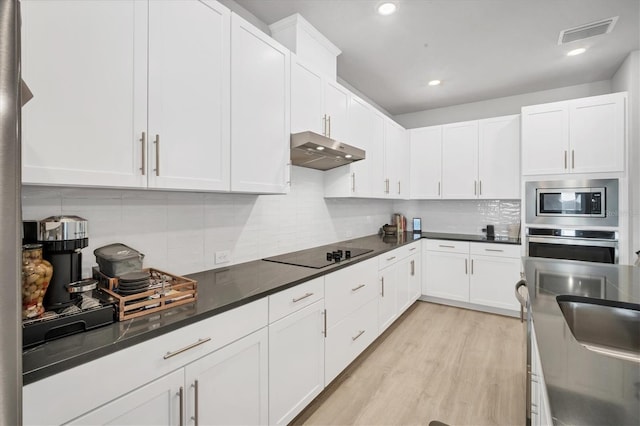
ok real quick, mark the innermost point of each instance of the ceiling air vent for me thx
(588, 30)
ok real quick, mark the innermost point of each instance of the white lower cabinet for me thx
(479, 273)
(157, 403)
(296, 362)
(540, 412)
(388, 301)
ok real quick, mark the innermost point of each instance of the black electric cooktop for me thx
(318, 258)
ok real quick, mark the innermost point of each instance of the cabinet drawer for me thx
(448, 246)
(500, 250)
(349, 288)
(349, 338)
(391, 257)
(138, 364)
(295, 298)
(410, 249)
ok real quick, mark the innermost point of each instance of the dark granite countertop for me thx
(219, 290)
(470, 237)
(584, 387)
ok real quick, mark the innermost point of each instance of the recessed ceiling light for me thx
(319, 148)
(434, 82)
(387, 9)
(575, 52)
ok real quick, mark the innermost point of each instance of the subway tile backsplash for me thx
(181, 231)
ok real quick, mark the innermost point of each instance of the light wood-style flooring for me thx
(436, 362)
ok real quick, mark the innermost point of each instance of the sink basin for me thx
(603, 326)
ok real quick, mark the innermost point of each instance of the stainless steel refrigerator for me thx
(10, 216)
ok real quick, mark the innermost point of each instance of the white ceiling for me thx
(480, 49)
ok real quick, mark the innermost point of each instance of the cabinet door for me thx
(426, 162)
(388, 300)
(157, 403)
(260, 100)
(460, 160)
(492, 281)
(361, 135)
(396, 151)
(375, 156)
(189, 97)
(296, 362)
(306, 98)
(403, 295)
(230, 386)
(597, 133)
(85, 63)
(336, 106)
(545, 139)
(448, 275)
(499, 158)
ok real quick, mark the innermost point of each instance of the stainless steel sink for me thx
(607, 327)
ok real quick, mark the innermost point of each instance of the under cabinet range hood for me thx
(309, 149)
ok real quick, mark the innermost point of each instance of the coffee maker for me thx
(62, 238)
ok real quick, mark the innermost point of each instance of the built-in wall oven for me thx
(573, 244)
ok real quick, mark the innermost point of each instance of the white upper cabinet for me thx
(498, 157)
(396, 156)
(426, 162)
(260, 108)
(336, 105)
(460, 160)
(307, 108)
(86, 64)
(189, 95)
(585, 135)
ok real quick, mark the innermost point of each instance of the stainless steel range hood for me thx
(309, 149)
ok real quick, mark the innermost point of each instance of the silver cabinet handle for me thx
(325, 323)
(186, 348)
(143, 169)
(412, 248)
(157, 142)
(573, 159)
(360, 333)
(466, 270)
(196, 400)
(471, 266)
(386, 182)
(480, 185)
(442, 245)
(498, 250)
(181, 395)
(353, 182)
(329, 122)
(382, 280)
(475, 185)
(413, 268)
(565, 159)
(358, 288)
(399, 187)
(438, 188)
(294, 300)
(390, 258)
(324, 125)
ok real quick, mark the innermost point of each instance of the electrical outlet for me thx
(222, 256)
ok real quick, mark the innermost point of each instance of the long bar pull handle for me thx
(399, 191)
(573, 158)
(143, 139)
(358, 288)
(498, 250)
(412, 248)
(475, 187)
(389, 259)
(360, 333)
(480, 187)
(466, 269)
(329, 122)
(438, 188)
(325, 323)
(195, 407)
(565, 159)
(186, 348)
(181, 395)
(471, 266)
(442, 245)
(382, 280)
(297, 299)
(157, 142)
(324, 125)
(413, 268)
(353, 182)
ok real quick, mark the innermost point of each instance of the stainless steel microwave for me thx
(591, 202)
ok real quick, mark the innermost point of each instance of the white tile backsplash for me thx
(181, 231)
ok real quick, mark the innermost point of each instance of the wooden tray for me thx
(177, 291)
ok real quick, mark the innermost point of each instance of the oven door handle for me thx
(574, 241)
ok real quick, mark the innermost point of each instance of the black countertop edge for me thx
(59, 355)
(470, 237)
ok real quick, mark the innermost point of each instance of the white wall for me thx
(499, 106)
(181, 231)
(627, 78)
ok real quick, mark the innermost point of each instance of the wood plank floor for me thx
(453, 365)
